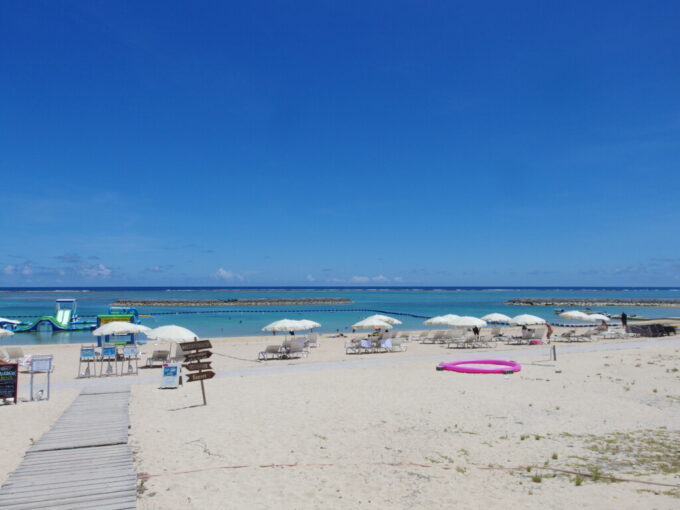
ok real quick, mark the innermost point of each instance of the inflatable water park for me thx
(66, 318)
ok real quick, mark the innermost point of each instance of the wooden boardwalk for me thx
(82, 462)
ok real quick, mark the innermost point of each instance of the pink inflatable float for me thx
(501, 366)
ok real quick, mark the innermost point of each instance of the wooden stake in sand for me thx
(203, 371)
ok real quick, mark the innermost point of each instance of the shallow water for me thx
(248, 321)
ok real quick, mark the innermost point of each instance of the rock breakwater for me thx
(582, 302)
(231, 302)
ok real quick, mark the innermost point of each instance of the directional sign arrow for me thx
(193, 346)
(195, 356)
(199, 376)
(198, 366)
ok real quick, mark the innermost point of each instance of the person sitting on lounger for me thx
(603, 326)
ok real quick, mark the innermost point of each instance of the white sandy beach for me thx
(389, 431)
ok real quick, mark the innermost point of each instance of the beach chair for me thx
(178, 356)
(297, 350)
(294, 342)
(160, 356)
(360, 346)
(272, 352)
(525, 338)
(382, 345)
(398, 344)
(428, 338)
(589, 335)
(108, 355)
(537, 334)
(436, 337)
(313, 340)
(456, 338)
(88, 357)
(404, 336)
(486, 340)
(130, 354)
(352, 347)
(498, 335)
(470, 341)
(16, 355)
(566, 336)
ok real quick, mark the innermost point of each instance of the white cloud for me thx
(310, 278)
(398, 279)
(96, 271)
(364, 279)
(24, 269)
(227, 274)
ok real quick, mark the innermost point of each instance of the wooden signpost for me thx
(195, 356)
(200, 376)
(198, 366)
(201, 370)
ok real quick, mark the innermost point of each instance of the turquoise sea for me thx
(248, 321)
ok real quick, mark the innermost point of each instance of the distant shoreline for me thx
(663, 303)
(357, 288)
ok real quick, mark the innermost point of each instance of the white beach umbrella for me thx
(385, 318)
(441, 320)
(598, 317)
(309, 324)
(575, 315)
(527, 320)
(451, 316)
(371, 324)
(171, 333)
(496, 317)
(285, 325)
(467, 322)
(120, 328)
(436, 321)
(5, 332)
(9, 321)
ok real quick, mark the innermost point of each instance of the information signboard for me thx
(170, 375)
(41, 364)
(9, 378)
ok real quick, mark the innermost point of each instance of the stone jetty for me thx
(232, 302)
(582, 302)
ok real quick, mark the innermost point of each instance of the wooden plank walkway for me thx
(82, 462)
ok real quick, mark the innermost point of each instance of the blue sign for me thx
(108, 352)
(87, 353)
(170, 375)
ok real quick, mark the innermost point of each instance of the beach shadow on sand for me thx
(186, 407)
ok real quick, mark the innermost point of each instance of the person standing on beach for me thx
(624, 321)
(548, 331)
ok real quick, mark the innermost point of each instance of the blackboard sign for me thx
(9, 375)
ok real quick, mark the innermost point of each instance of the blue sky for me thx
(283, 143)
